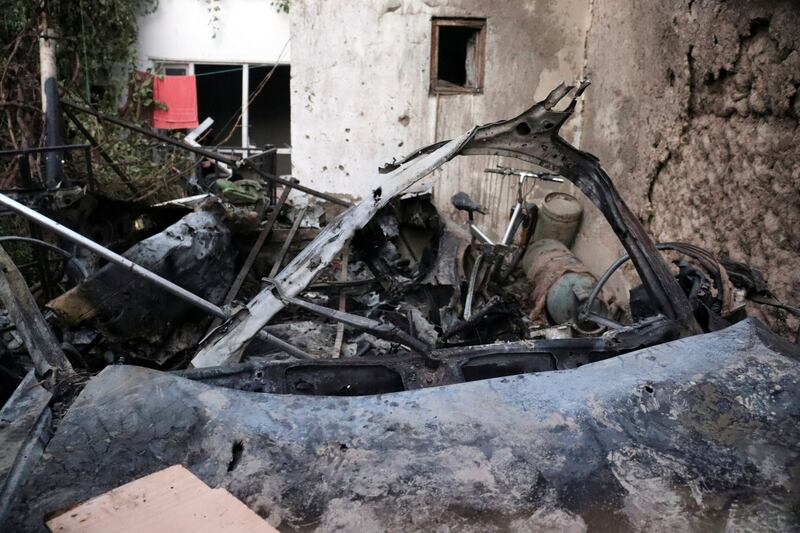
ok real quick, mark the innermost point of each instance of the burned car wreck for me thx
(401, 371)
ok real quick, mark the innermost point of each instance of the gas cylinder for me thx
(559, 217)
(562, 284)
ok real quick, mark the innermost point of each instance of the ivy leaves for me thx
(281, 6)
(213, 16)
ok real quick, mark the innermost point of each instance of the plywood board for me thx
(172, 500)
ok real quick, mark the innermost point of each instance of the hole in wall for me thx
(671, 77)
(456, 48)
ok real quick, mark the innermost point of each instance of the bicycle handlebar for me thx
(506, 171)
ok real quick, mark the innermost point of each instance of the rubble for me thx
(208, 334)
(145, 321)
(24, 420)
(43, 348)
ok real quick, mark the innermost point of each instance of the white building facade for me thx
(231, 46)
(370, 80)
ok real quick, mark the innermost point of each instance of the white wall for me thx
(360, 86)
(249, 31)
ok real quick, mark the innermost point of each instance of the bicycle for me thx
(482, 247)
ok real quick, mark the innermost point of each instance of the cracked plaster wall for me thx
(694, 112)
(360, 88)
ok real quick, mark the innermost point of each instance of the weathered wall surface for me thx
(358, 101)
(694, 112)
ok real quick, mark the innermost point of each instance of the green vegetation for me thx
(96, 61)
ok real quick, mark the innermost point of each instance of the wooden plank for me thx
(171, 500)
(276, 266)
(337, 345)
(41, 343)
(251, 257)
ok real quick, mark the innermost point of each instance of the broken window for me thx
(249, 105)
(219, 96)
(457, 55)
(270, 112)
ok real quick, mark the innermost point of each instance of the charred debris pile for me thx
(256, 282)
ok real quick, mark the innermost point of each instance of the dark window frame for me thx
(475, 86)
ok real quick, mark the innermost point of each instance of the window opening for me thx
(457, 55)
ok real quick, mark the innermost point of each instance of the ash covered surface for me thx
(695, 434)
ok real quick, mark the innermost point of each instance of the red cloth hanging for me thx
(179, 94)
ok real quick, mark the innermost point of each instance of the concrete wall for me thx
(694, 112)
(360, 86)
(248, 31)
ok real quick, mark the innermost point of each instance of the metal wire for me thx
(52, 247)
(683, 248)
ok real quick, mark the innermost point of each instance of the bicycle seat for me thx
(463, 202)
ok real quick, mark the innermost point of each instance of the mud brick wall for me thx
(694, 112)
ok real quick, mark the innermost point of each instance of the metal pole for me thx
(107, 158)
(281, 344)
(163, 138)
(209, 154)
(107, 254)
(476, 232)
(517, 209)
(53, 128)
(245, 107)
(39, 254)
(251, 257)
(276, 266)
(507, 235)
(249, 164)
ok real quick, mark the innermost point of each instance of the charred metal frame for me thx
(410, 371)
(110, 256)
(45, 190)
(533, 137)
(702, 256)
